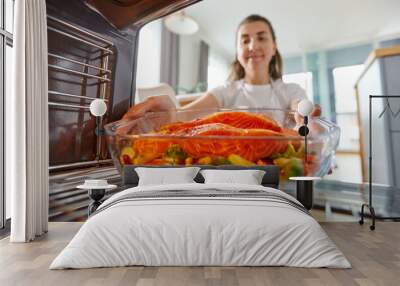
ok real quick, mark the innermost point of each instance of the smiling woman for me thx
(256, 49)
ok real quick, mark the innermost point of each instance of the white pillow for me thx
(249, 177)
(166, 176)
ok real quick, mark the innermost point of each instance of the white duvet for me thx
(200, 231)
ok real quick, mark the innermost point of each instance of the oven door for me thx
(92, 49)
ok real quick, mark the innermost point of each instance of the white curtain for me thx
(169, 66)
(27, 124)
(203, 65)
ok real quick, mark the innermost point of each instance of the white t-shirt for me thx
(278, 95)
(239, 94)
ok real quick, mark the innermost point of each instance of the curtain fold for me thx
(27, 121)
(169, 70)
(203, 64)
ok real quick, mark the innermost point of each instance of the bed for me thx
(197, 224)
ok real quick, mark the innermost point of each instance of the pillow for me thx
(166, 176)
(249, 177)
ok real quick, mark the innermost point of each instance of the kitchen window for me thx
(344, 79)
(304, 79)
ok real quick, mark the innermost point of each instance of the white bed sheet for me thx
(206, 231)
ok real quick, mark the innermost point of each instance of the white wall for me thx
(149, 55)
(218, 68)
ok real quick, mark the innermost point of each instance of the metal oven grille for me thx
(80, 70)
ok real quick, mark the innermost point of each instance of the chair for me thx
(143, 93)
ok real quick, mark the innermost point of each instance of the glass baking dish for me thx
(224, 137)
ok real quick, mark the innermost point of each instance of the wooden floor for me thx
(375, 257)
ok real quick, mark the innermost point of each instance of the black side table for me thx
(96, 191)
(304, 190)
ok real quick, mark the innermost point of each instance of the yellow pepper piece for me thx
(128, 151)
(139, 160)
(205, 160)
(281, 162)
(300, 151)
(237, 160)
(188, 161)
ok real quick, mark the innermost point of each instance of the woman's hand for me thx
(316, 111)
(151, 104)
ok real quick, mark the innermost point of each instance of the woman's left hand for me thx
(316, 111)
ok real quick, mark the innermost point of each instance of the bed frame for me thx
(270, 179)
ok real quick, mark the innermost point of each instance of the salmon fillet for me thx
(237, 119)
(248, 148)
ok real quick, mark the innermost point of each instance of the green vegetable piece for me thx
(276, 156)
(219, 160)
(175, 151)
(290, 151)
(295, 167)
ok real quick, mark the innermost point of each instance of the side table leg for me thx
(93, 207)
(304, 193)
(372, 212)
(361, 221)
(96, 195)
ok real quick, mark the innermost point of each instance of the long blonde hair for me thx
(275, 65)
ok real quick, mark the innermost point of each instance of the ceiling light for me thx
(181, 24)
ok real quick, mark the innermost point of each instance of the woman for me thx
(255, 79)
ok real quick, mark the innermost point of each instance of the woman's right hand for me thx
(151, 104)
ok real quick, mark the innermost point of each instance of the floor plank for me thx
(375, 257)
